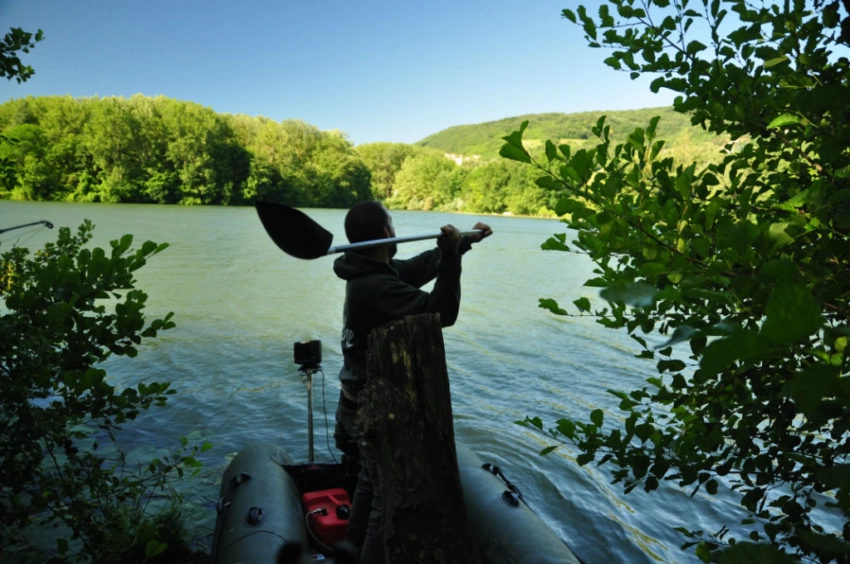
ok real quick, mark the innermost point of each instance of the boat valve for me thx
(255, 515)
(237, 481)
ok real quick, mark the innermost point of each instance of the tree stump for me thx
(405, 411)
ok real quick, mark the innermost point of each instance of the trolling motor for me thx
(326, 511)
(308, 357)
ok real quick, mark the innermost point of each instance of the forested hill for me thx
(485, 139)
(160, 150)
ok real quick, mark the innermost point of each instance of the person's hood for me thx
(353, 265)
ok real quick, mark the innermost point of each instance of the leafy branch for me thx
(744, 262)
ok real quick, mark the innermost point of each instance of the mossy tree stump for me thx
(405, 410)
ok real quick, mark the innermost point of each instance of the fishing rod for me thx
(42, 222)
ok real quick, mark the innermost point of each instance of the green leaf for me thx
(597, 416)
(551, 151)
(513, 149)
(549, 183)
(784, 120)
(557, 242)
(62, 545)
(742, 552)
(626, 403)
(826, 544)
(515, 153)
(809, 388)
(680, 333)
(843, 172)
(583, 304)
(119, 247)
(636, 294)
(572, 206)
(791, 313)
(695, 47)
(552, 305)
(584, 458)
(535, 422)
(778, 233)
(674, 365)
(154, 548)
(567, 428)
(722, 353)
(775, 61)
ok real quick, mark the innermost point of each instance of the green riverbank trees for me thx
(733, 278)
(159, 150)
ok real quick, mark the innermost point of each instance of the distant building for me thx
(461, 159)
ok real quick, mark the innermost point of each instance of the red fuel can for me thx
(327, 514)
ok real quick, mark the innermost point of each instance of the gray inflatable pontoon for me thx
(273, 511)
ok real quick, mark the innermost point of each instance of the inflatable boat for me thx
(271, 510)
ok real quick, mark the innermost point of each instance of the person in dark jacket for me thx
(380, 289)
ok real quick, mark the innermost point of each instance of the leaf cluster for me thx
(745, 262)
(11, 65)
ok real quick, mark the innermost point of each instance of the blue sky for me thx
(378, 70)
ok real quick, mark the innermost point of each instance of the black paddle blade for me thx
(293, 231)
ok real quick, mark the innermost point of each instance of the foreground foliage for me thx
(11, 66)
(734, 277)
(67, 308)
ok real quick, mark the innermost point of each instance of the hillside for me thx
(485, 139)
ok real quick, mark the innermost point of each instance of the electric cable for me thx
(325, 410)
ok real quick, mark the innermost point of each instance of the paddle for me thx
(301, 237)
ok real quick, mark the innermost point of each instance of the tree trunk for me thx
(405, 410)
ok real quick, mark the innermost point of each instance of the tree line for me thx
(160, 150)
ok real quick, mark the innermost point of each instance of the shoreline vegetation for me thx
(160, 150)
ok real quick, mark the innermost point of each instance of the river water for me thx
(240, 303)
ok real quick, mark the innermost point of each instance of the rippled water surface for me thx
(240, 304)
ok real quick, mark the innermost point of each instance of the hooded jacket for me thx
(377, 292)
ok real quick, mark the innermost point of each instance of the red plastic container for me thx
(327, 514)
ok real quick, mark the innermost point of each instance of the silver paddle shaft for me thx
(391, 240)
